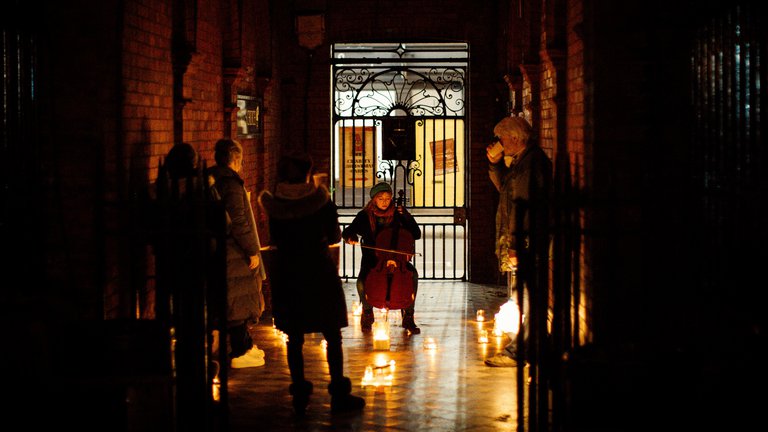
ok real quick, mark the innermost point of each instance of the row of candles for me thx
(382, 372)
(506, 321)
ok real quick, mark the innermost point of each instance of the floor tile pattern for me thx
(445, 389)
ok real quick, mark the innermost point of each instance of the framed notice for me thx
(358, 156)
(443, 156)
(248, 116)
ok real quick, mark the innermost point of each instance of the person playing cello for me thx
(378, 215)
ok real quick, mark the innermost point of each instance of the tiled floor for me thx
(447, 389)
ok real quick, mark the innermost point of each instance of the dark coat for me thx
(307, 294)
(245, 301)
(525, 189)
(361, 226)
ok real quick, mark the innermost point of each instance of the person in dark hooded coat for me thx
(307, 295)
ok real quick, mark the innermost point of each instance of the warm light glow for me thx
(480, 315)
(324, 344)
(380, 374)
(368, 375)
(357, 308)
(483, 338)
(430, 343)
(381, 360)
(381, 314)
(216, 389)
(216, 383)
(281, 335)
(508, 318)
(483, 348)
(381, 336)
(381, 332)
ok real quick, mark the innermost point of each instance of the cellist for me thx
(379, 214)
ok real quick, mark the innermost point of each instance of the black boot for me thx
(300, 391)
(341, 399)
(409, 323)
(366, 319)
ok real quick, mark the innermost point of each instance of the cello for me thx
(389, 285)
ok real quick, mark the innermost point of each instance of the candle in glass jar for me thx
(483, 336)
(480, 315)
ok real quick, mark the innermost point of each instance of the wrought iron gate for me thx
(399, 115)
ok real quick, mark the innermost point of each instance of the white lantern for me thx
(508, 318)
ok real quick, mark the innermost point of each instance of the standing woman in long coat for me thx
(245, 272)
(307, 295)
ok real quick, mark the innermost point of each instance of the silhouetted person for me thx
(307, 295)
(182, 161)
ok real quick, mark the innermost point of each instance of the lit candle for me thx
(216, 389)
(380, 375)
(430, 344)
(381, 335)
(480, 315)
(367, 377)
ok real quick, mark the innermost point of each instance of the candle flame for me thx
(483, 336)
(430, 343)
(480, 315)
(380, 374)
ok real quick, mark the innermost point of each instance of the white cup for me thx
(496, 149)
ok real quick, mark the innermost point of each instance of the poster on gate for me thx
(358, 156)
(443, 156)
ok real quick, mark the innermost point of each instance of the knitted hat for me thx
(380, 187)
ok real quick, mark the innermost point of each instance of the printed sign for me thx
(358, 155)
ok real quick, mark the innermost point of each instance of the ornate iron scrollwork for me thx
(367, 92)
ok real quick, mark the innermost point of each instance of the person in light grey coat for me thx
(245, 272)
(522, 173)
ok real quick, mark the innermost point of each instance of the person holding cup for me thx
(522, 173)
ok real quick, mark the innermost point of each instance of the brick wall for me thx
(576, 124)
(148, 81)
(203, 113)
